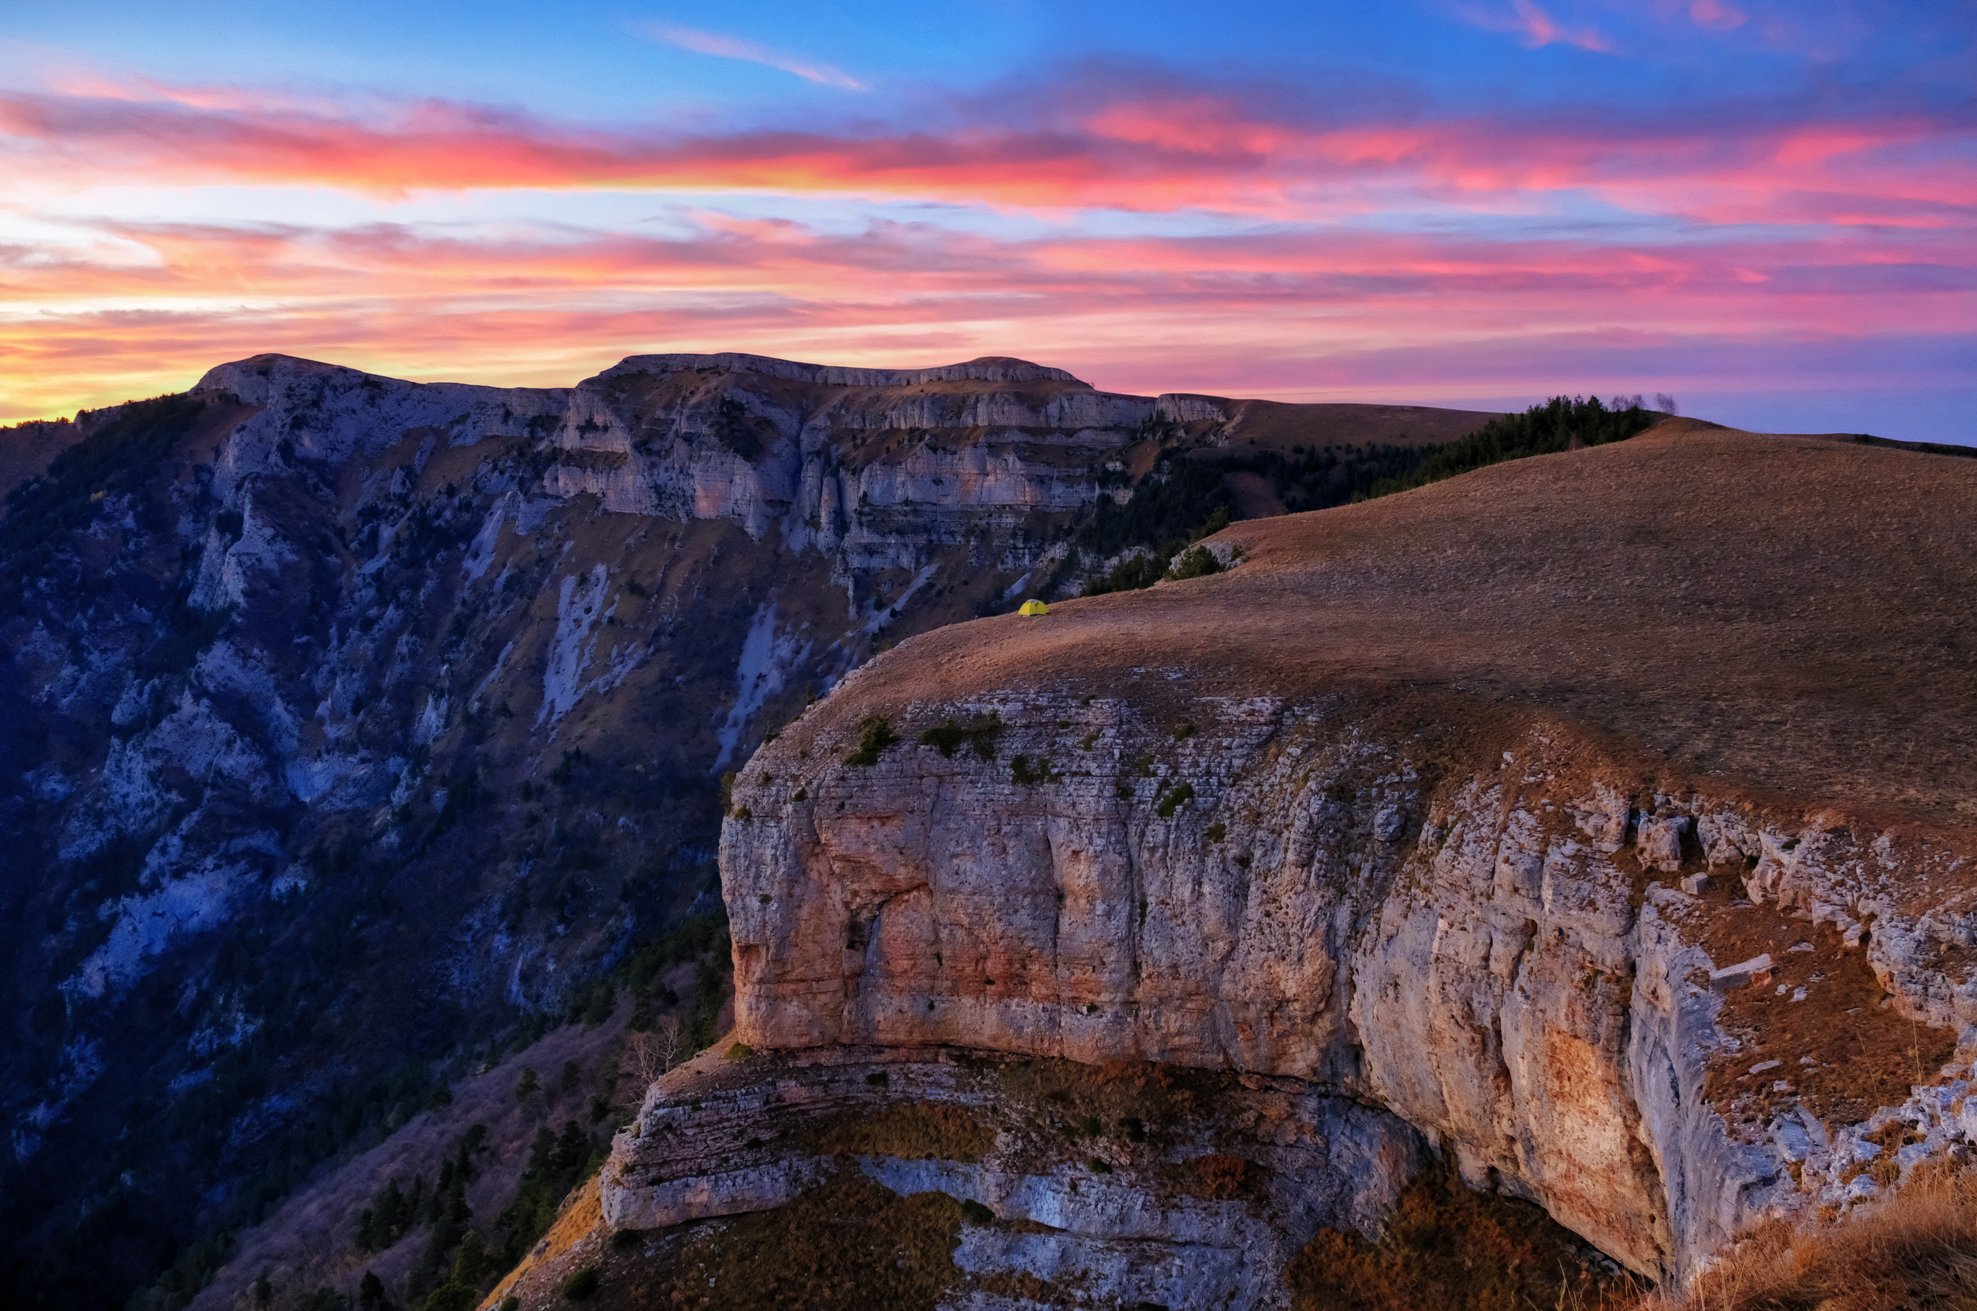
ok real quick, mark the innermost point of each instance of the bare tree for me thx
(652, 1054)
(1665, 403)
(672, 1042)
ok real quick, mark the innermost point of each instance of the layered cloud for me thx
(1153, 229)
(1131, 148)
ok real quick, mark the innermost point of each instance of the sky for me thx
(1766, 209)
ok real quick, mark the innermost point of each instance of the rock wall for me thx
(308, 649)
(1131, 1184)
(1511, 942)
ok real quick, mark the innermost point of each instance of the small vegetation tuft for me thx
(1195, 562)
(1174, 800)
(947, 737)
(875, 734)
(1032, 772)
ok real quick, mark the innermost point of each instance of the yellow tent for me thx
(1034, 608)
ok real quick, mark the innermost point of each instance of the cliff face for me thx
(1578, 854)
(345, 719)
(1510, 950)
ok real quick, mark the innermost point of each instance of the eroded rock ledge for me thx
(1140, 1184)
(1505, 941)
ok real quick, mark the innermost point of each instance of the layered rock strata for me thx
(1136, 1184)
(1633, 881)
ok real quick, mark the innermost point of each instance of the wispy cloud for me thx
(1356, 313)
(1717, 15)
(1541, 29)
(1535, 24)
(1149, 147)
(722, 46)
(1744, 218)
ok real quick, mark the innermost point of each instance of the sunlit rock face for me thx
(1504, 957)
(1521, 811)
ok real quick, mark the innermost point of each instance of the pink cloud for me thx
(1541, 29)
(1144, 151)
(1866, 215)
(480, 307)
(1535, 24)
(1717, 15)
(722, 46)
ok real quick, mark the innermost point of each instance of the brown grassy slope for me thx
(1917, 1249)
(1786, 615)
(26, 450)
(1449, 1246)
(1279, 425)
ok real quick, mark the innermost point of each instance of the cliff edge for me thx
(1600, 823)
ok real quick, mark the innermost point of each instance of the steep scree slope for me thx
(1604, 819)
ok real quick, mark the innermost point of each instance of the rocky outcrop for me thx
(1502, 958)
(992, 368)
(433, 685)
(1218, 827)
(1151, 1205)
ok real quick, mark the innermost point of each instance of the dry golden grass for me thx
(580, 1220)
(846, 1245)
(1447, 1246)
(1789, 616)
(1279, 425)
(911, 1131)
(1845, 1050)
(1914, 1251)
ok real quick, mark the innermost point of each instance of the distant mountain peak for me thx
(988, 368)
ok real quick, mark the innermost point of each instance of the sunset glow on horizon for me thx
(1766, 209)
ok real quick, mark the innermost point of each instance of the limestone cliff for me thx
(346, 721)
(1511, 949)
(1603, 859)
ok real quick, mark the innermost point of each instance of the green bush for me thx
(1174, 800)
(582, 1286)
(1195, 562)
(1030, 773)
(975, 1213)
(1138, 570)
(947, 737)
(557, 1162)
(874, 736)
